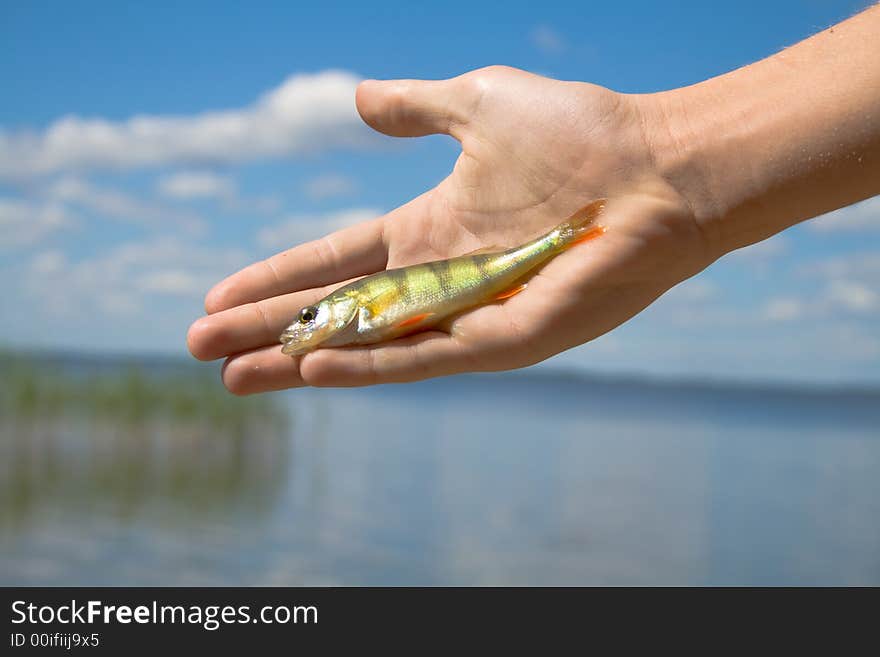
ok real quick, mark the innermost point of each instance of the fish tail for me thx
(581, 226)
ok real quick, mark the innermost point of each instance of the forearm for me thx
(782, 140)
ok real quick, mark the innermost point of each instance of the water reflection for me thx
(131, 442)
(520, 479)
(79, 464)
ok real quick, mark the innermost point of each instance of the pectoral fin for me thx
(413, 321)
(510, 293)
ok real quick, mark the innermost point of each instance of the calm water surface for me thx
(506, 479)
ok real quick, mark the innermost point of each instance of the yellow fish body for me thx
(396, 302)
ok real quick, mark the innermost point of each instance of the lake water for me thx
(527, 478)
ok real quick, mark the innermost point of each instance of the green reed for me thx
(34, 387)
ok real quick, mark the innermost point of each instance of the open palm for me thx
(534, 150)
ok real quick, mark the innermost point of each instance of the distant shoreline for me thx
(543, 373)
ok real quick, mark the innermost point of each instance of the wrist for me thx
(766, 146)
(684, 146)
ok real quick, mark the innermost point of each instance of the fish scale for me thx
(395, 302)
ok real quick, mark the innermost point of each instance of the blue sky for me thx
(140, 162)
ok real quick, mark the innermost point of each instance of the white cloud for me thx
(863, 265)
(303, 228)
(172, 282)
(48, 262)
(260, 204)
(836, 351)
(851, 282)
(304, 114)
(328, 186)
(692, 291)
(129, 278)
(112, 204)
(694, 302)
(548, 40)
(195, 185)
(26, 222)
(853, 296)
(854, 344)
(768, 249)
(839, 297)
(783, 309)
(858, 217)
(165, 251)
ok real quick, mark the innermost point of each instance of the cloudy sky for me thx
(149, 149)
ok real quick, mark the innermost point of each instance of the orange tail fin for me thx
(581, 227)
(589, 234)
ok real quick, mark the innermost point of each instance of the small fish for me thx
(396, 302)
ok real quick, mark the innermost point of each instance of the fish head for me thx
(314, 325)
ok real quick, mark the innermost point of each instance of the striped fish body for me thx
(399, 301)
(396, 302)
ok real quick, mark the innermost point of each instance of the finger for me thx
(412, 108)
(250, 325)
(350, 252)
(413, 358)
(420, 356)
(261, 370)
(246, 327)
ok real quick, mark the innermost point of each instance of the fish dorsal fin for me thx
(484, 250)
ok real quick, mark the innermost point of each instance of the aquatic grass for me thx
(31, 387)
(134, 437)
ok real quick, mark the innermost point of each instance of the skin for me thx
(689, 174)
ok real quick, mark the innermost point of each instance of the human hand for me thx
(534, 150)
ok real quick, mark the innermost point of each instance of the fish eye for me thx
(307, 314)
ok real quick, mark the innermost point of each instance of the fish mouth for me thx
(295, 342)
(296, 345)
(298, 342)
(290, 349)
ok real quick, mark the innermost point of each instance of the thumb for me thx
(413, 108)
